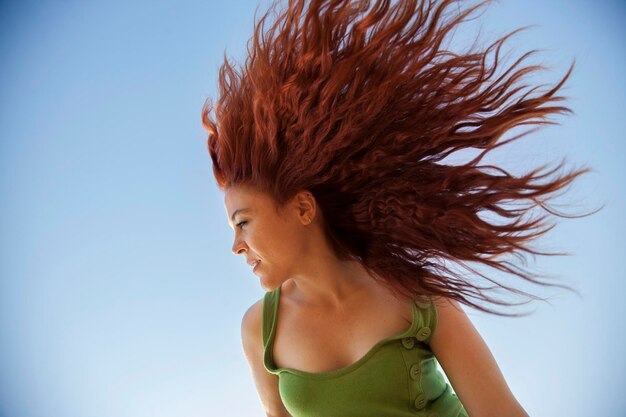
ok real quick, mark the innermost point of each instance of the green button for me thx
(408, 342)
(415, 371)
(420, 401)
(423, 334)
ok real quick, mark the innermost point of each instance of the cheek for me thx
(295, 246)
(287, 244)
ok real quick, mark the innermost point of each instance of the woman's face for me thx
(277, 240)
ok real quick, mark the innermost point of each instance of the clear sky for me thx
(119, 293)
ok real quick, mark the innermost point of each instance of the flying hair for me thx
(359, 104)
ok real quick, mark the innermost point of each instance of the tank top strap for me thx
(424, 319)
(270, 307)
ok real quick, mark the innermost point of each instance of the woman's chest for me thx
(315, 341)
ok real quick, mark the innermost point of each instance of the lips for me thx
(253, 261)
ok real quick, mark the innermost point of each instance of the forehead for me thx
(244, 197)
(238, 194)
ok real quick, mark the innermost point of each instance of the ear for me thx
(306, 207)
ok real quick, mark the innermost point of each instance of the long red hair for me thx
(359, 106)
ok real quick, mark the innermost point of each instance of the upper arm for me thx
(266, 383)
(469, 364)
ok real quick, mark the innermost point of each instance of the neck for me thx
(331, 284)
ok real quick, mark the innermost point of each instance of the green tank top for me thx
(398, 377)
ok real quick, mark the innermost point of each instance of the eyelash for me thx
(240, 223)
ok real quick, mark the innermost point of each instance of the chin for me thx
(270, 286)
(267, 286)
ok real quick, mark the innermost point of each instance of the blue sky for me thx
(119, 295)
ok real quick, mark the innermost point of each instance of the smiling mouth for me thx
(256, 264)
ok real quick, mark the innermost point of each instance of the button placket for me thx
(420, 401)
(416, 373)
(414, 361)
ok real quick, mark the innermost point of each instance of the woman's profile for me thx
(329, 146)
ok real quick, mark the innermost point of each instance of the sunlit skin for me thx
(335, 311)
(291, 245)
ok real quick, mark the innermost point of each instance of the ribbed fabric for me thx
(398, 377)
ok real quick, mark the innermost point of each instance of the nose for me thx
(238, 247)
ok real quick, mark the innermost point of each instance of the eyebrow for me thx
(238, 211)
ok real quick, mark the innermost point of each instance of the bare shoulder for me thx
(450, 317)
(469, 364)
(251, 323)
(266, 383)
(445, 302)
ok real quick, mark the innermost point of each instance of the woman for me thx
(328, 145)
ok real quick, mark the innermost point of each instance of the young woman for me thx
(328, 146)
